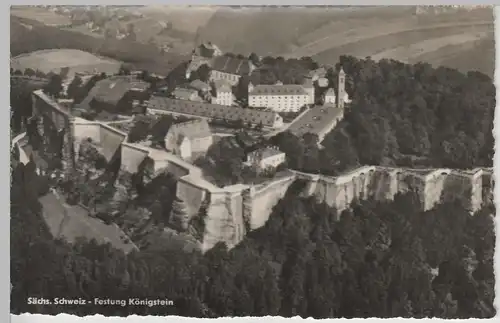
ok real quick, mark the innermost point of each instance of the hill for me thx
(327, 33)
(52, 60)
(29, 35)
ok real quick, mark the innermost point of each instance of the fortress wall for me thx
(218, 226)
(433, 189)
(131, 157)
(110, 140)
(87, 130)
(192, 195)
(468, 187)
(177, 170)
(265, 198)
(487, 185)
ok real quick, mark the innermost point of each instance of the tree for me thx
(203, 73)
(74, 88)
(139, 131)
(29, 72)
(54, 87)
(254, 58)
(179, 217)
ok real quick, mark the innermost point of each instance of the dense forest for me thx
(405, 115)
(376, 259)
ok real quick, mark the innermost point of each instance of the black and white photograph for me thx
(248, 161)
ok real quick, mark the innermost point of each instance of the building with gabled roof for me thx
(189, 138)
(200, 86)
(230, 69)
(115, 93)
(186, 94)
(158, 104)
(281, 97)
(266, 158)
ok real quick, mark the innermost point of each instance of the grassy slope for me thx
(327, 34)
(39, 36)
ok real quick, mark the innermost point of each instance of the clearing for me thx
(78, 224)
(52, 60)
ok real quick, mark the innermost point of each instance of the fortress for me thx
(231, 212)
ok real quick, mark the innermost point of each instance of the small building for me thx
(186, 94)
(189, 138)
(266, 158)
(222, 93)
(200, 86)
(330, 96)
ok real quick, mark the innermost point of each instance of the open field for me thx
(183, 18)
(41, 15)
(28, 36)
(323, 33)
(52, 60)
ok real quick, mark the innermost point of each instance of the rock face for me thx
(234, 211)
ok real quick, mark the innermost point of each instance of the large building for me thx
(188, 139)
(281, 98)
(222, 67)
(230, 69)
(163, 105)
(115, 94)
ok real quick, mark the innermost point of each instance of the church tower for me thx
(341, 89)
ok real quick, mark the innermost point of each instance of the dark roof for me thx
(215, 111)
(112, 90)
(231, 65)
(288, 89)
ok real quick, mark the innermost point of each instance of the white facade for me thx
(223, 98)
(279, 103)
(183, 149)
(330, 96)
(266, 158)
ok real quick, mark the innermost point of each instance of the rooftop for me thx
(199, 85)
(288, 89)
(267, 152)
(184, 94)
(112, 90)
(317, 120)
(215, 111)
(231, 65)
